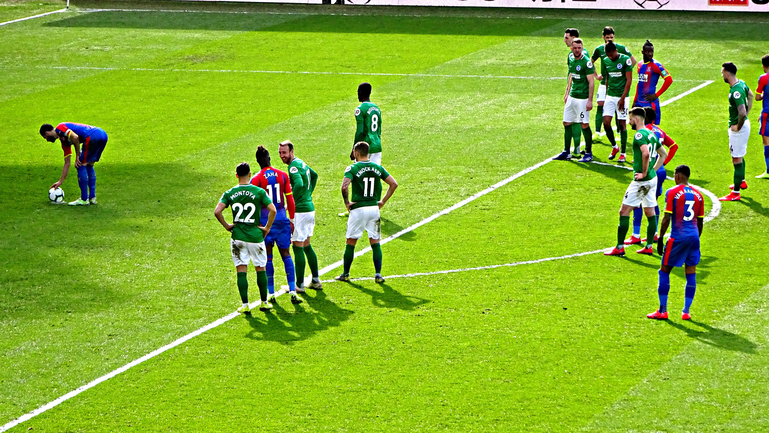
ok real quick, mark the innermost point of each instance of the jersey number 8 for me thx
(374, 122)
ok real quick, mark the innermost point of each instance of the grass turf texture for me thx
(557, 346)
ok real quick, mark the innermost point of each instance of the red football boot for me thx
(743, 185)
(622, 158)
(633, 240)
(615, 252)
(614, 151)
(733, 196)
(648, 250)
(657, 315)
(656, 238)
(686, 316)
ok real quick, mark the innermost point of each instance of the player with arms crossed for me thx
(93, 140)
(579, 102)
(365, 177)
(684, 205)
(672, 148)
(648, 155)
(649, 74)
(278, 188)
(368, 120)
(303, 181)
(763, 86)
(247, 240)
(619, 78)
(740, 103)
(600, 53)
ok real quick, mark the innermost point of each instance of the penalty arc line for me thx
(33, 17)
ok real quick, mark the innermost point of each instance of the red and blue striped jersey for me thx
(648, 76)
(685, 205)
(763, 83)
(83, 131)
(278, 186)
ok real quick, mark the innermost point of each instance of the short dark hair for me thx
(649, 44)
(364, 91)
(262, 157)
(610, 47)
(243, 169)
(730, 67)
(765, 60)
(287, 143)
(683, 170)
(361, 147)
(576, 41)
(572, 32)
(638, 111)
(45, 128)
(650, 115)
(608, 30)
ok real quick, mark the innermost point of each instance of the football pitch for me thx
(499, 312)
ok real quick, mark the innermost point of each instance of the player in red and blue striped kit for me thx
(763, 130)
(93, 140)
(686, 209)
(649, 74)
(278, 188)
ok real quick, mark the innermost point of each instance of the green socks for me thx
(623, 141)
(567, 135)
(739, 175)
(349, 254)
(624, 225)
(312, 261)
(243, 287)
(576, 132)
(299, 264)
(376, 249)
(610, 137)
(261, 280)
(588, 139)
(651, 230)
(598, 118)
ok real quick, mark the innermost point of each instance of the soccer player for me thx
(684, 204)
(648, 155)
(600, 52)
(278, 188)
(740, 103)
(579, 102)
(303, 181)
(763, 83)
(672, 148)
(368, 119)
(365, 177)
(649, 74)
(569, 36)
(619, 77)
(247, 240)
(93, 140)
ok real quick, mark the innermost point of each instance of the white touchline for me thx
(33, 17)
(688, 92)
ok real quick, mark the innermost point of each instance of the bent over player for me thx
(93, 140)
(365, 177)
(685, 207)
(247, 240)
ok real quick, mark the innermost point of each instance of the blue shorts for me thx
(763, 128)
(682, 251)
(280, 233)
(655, 105)
(93, 147)
(661, 176)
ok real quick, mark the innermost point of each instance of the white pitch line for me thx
(688, 92)
(33, 17)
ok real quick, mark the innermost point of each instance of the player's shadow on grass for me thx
(391, 298)
(716, 337)
(389, 228)
(622, 176)
(755, 206)
(288, 323)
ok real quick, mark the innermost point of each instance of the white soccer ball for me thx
(56, 195)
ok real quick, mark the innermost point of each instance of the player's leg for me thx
(657, 111)
(376, 158)
(354, 232)
(258, 254)
(630, 201)
(312, 262)
(738, 146)
(82, 179)
(240, 259)
(373, 228)
(622, 128)
(651, 228)
(97, 145)
(663, 289)
(299, 262)
(601, 97)
(568, 132)
(635, 239)
(609, 109)
(283, 240)
(270, 270)
(584, 117)
(764, 132)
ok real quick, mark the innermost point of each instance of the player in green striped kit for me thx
(600, 53)
(648, 155)
(303, 180)
(578, 103)
(365, 177)
(619, 78)
(247, 240)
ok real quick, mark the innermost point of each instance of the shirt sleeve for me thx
(701, 210)
(61, 130)
(348, 172)
(313, 179)
(296, 178)
(596, 55)
(739, 98)
(762, 82)
(67, 148)
(225, 199)
(286, 184)
(385, 174)
(590, 67)
(265, 200)
(669, 198)
(360, 126)
(658, 68)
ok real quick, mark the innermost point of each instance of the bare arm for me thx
(632, 57)
(218, 214)
(663, 154)
(700, 221)
(742, 115)
(750, 101)
(345, 192)
(645, 163)
(390, 181)
(591, 87)
(64, 171)
(663, 229)
(270, 218)
(568, 88)
(628, 83)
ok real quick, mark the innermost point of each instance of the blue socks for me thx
(766, 157)
(91, 181)
(82, 182)
(270, 275)
(663, 289)
(638, 214)
(691, 287)
(288, 264)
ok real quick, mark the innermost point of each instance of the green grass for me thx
(556, 346)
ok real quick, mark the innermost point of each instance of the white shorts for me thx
(611, 107)
(376, 158)
(304, 226)
(243, 251)
(575, 111)
(641, 193)
(601, 93)
(364, 218)
(738, 141)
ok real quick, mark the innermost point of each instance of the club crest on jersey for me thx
(293, 170)
(589, 64)
(638, 136)
(357, 111)
(737, 95)
(619, 65)
(629, 62)
(579, 68)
